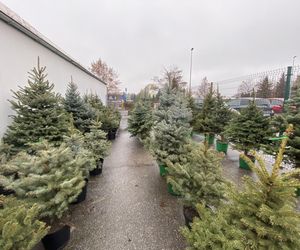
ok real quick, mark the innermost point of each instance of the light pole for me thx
(294, 60)
(191, 64)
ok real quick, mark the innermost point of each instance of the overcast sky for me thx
(139, 37)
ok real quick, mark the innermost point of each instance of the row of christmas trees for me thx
(47, 155)
(219, 216)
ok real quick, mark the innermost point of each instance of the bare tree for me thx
(108, 75)
(246, 89)
(204, 88)
(173, 77)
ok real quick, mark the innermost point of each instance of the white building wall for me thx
(18, 55)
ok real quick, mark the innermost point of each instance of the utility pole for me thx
(191, 64)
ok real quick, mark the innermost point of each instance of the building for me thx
(20, 46)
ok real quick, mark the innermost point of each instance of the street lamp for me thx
(190, 84)
(294, 60)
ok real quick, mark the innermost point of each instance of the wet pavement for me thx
(128, 206)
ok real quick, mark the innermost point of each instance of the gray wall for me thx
(18, 55)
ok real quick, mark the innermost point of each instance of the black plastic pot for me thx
(6, 191)
(189, 214)
(57, 240)
(81, 197)
(98, 169)
(111, 135)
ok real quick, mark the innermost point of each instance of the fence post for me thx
(288, 83)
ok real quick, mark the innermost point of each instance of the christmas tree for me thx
(205, 121)
(167, 98)
(194, 109)
(50, 176)
(293, 117)
(211, 231)
(95, 141)
(39, 113)
(140, 121)
(19, 224)
(261, 216)
(221, 116)
(76, 142)
(278, 124)
(109, 117)
(80, 111)
(199, 180)
(171, 130)
(249, 129)
(94, 102)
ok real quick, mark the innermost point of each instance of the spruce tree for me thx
(109, 117)
(199, 180)
(80, 111)
(261, 216)
(221, 116)
(167, 99)
(278, 124)
(205, 121)
(50, 176)
(249, 130)
(194, 109)
(76, 142)
(94, 101)
(39, 113)
(280, 87)
(265, 88)
(293, 117)
(171, 130)
(19, 224)
(95, 141)
(140, 121)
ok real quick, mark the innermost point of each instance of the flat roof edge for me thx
(10, 21)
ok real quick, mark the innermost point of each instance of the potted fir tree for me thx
(261, 216)
(20, 227)
(95, 141)
(167, 98)
(199, 180)
(75, 141)
(293, 117)
(81, 112)
(109, 118)
(172, 133)
(39, 114)
(248, 131)
(205, 120)
(111, 122)
(140, 121)
(221, 117)
(50, 177)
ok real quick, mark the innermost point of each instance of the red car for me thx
(276, 104)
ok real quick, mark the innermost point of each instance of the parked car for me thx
(261, 103)
(276, 104)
